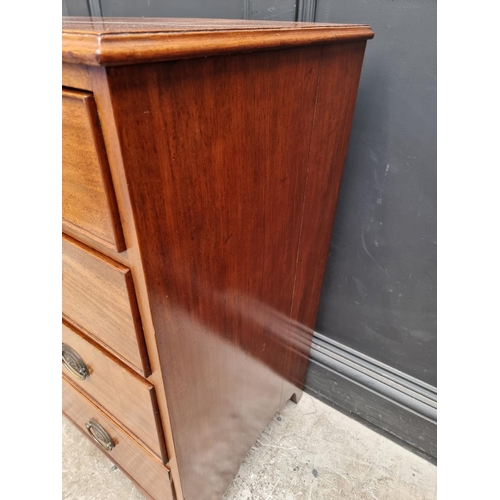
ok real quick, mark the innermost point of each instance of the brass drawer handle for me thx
(74, 363)
(99, 435)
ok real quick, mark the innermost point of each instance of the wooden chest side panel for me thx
(337, 90)
(217, 171)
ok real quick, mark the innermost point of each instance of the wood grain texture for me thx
(336, 97)
(76, 76)
(103, 41)
(88, 202)
(98, 296)
(135, 461)
(223, 148)
(90, 241)
(103, 102)
(124, 395)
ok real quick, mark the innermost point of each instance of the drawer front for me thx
(132, 458)
(124, 395)
(76, 76)
(88, 202)
(98, 296)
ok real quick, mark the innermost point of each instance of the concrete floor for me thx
(308, 452)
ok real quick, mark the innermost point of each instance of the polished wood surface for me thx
(336, 97)
(223, 228)
(98, 296)
(104, 41)
(76, 234)
(76, 76)
(145, 470)
(88, 202)
(124, 395)
(103, 101)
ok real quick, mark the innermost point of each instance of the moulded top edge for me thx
(115, 41)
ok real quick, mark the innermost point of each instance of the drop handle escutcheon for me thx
(99, 435)
(73, 362)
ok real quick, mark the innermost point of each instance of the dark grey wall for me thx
(278, 10)
(379, 294)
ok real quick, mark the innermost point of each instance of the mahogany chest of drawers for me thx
(201, 167)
